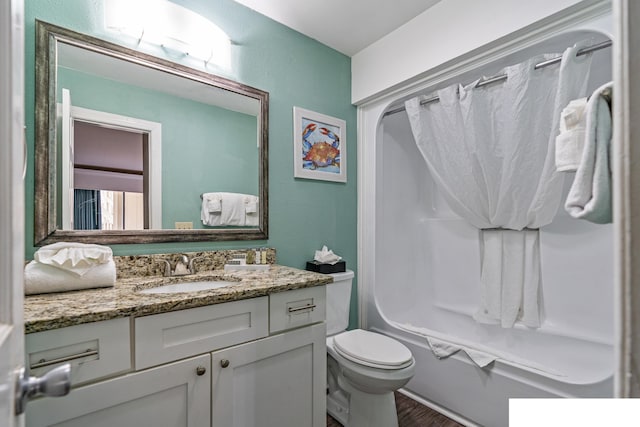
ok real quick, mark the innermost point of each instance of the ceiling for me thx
(347, 26)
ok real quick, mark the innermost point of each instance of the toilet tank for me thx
(338, 302)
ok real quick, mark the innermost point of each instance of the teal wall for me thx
(204, 148)
(296, 71)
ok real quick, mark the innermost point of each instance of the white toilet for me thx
(363, 368)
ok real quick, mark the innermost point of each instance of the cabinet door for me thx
(173, 395)
(275, 381)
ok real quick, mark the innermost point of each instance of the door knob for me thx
(224, 363)
(56, 382)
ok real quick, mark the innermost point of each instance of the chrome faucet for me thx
(192, 267)
(182, 268)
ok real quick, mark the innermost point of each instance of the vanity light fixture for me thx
(171, 26)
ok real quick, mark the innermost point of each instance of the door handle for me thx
(310, 307)
(44, 363)
(56, 382)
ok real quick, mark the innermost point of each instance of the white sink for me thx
(188, 287)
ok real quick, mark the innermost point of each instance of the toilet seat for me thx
(372, 349)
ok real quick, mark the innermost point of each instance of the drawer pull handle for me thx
(201, 370)
(42, 362)
(224, 363)
(306, 307)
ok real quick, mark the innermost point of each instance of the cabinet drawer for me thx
(94, 350)
(166, 337)
(299, 307)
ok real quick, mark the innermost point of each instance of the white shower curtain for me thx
(491, 151)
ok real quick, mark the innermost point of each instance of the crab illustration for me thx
(316, 152)
(320, 155)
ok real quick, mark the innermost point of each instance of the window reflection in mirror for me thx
(108, 178)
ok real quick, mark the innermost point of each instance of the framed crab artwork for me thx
(319, 146)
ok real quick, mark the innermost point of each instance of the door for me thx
(275, 381)
(11, 205)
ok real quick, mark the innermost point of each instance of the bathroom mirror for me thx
(127, 143)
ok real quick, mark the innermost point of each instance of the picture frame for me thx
(319, 146)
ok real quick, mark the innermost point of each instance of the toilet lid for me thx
(372, 349)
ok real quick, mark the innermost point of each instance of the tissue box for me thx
(319, 267)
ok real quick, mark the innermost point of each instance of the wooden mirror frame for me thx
(45, 192)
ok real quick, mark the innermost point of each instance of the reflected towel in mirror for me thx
(229, 209)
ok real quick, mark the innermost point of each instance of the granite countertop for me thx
(57, 310)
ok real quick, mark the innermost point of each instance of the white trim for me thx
(363, 217)
(619, 160)
(366, 205)
(12, 211)
(67, 161)
(154, 130)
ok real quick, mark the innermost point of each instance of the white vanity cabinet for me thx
(216, 366)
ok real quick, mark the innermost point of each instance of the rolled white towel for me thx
(75, 258)
(42, 278)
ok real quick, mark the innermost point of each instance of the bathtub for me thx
(419, 276)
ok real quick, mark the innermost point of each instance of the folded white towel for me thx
(443, 349)
(75, 258)
(214, 205)
(590, 195)
(252, 209)
(251, 204)
(233, 209)
(42, 278)
(570, 141)
(211, 209)
(221, 209)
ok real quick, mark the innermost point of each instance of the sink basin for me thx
(188, 287)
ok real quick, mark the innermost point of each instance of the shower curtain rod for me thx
(501, 77)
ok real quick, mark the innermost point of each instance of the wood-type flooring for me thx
(412, 414)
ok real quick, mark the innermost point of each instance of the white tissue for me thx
(326, 256)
